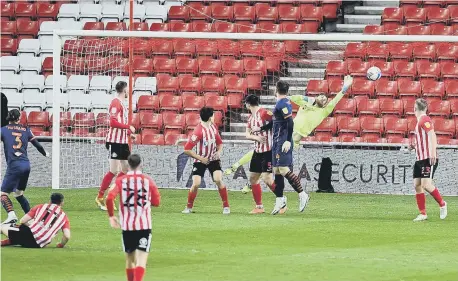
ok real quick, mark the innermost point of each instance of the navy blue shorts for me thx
(280, 158)
(16, 176)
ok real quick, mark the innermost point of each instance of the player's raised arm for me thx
(348, 81)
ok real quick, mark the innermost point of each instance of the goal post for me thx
(67, 148)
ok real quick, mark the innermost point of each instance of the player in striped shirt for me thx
(39, 226)
(117, 140)
(137, 193)
(209, 145)
(427, 162)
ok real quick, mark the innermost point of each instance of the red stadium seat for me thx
(224, 13)
(7, 10)
(47, 10)
(84, 119)
(65, 119)
(71, 64)
(387, 68)
(451, 89)
(190, 84)
(228, 48)
(385, 88)
(433, 89)
(232, 66)
(336, 69)
(94, 26)
(358, 68)
(247, 28)
(317, 87)
(180, 27)
(8, 46)
(374, 30)
(254, 67)
(438, 16)
(102, 120)
(142, 47)
(172, 139)
(329, 125)
(200, 13)
(9, 29)
(148, 102)
(289, 13)
(414, 16)
(193, 103)
(444, 127)
(411, 124)
(349, 126)
(80, 132)
(244, 13)
(377, 52)
(335, 86)
(363, 88)
(202, 27)
(162, 47)
(171, 103)
(206, 47)
(371, 138)
(156, 139)
(454, 109)
(428, 70)
(393, 15)
(400, 51)
(192, 119)
(212, 84)
(235, 101)
(439, 108)
(269, 27)
(419, 30)
(346, 107)
(395, 126)
(38, 119)
(435, 3)
(187, 65)
(184, 47)
(135, 120)
(398, 30)
(291, 27)
(218, 103)
(163, 65)
(449, 70)
(391, 107)
(312, 13)
(266, 13)
(209, 66)
(409, 88)
(235, 84)
(408, 104)
(371, 125)
(423, 51)
(24, 9)
(167, 83)
(403, 69)
(273, 49)
(28, 29)
(447, 52)
(173, 120)
(453, 10)
(117, 26)
(151, 120)
(441, 30)
(178, 13)
(368, 107)
(140, 26)
(142, 66)
(355, 50)
(225, 27)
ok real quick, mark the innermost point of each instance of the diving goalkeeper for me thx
(311, 113)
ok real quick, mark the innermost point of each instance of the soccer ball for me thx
(374, 73)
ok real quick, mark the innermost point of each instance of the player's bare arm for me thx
(194, 155)
(433, 148)
(65, 238)
(25, 219)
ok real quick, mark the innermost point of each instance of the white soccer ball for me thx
(374, 73)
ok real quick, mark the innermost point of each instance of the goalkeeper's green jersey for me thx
(310, 116)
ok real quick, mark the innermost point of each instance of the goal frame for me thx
(334, 37)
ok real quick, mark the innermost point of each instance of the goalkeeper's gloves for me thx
(232, 169)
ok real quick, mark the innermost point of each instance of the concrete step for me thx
(271, 99)
(237, 127)
(296, 81)
(362, 19)
(295, 90)
(307, 72)
(309, 63)
(385, 3)
(350, 28)
(233, 135)
(369, 10)
(327, 54)
(334, 46)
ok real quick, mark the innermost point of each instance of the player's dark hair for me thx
(120, 86)
(134, 161)
(421, 104)
(57, 198)
(206, 113)
(282, 87)
(13, 115)
(252, 100)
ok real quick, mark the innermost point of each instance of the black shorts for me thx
(261, 162)
(118, 151)
(136, 240)
(423, 170)
(200, 168)
(22, 235)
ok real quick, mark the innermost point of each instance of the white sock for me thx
(259, 206)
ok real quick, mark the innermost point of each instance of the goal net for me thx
(173, 74)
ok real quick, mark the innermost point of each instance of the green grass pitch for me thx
(339, 237)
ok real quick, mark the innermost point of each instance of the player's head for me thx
(206, 114)
(13, 116)
(134, 161)
(121, 88)
(321, 101)
(251, 101)
(57, 198)
(420, 107)
(282, 88)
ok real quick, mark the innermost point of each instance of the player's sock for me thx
(105, 183)
(437, 196)
(279, 185)
(191, 198)
(421, 203)
(223, 194)
(7, 204)
(139, 273)
(120, 174)
(257, 194)
(6, 242)
(24, 203)
(294, 181)
(130, 274)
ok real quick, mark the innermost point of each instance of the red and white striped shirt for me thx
(206, 141)
(423, 145)
(48, 219)
(260, 118)
(119, 126)
(138, 193)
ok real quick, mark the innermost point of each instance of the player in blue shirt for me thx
(15, 138)
(282, 152)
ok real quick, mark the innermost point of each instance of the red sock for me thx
(130, 274)
(105, 183)
(120, 174)
(257, 193)
(437, 196)
(223, 194)
(191, 198)
(6, 242)
(271, 186)
(139, 273)
(421, 203)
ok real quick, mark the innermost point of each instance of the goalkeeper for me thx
(311, 113)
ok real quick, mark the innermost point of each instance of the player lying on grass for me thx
(137, 193)
(117, 140)
(427, 162)
(311, 113)
(39, 226)
(209, 145)
(16, 138)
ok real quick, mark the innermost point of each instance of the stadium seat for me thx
(376, 52)
(358, 69)
(419, 30)
(156, 139)
(8, 29)
(7, 10)
(192, 120)
(29, 47)
(179, 13)
(349, 126)
(155, 13)
(439, 108)
(394, 125)
(336, 69)
(148, 102)
(200, 13)
(144, 67)
(212, 84)
(368, 107)
(180, 27)
(190, 84)
(174, 121)
(408, 104)
(273, 49)
(253, 66)
(9, 63)
(391, 107)
(247, 28)
(442, 30)
(138, 15)
(184, 47)
(231, 66)
(312, 13)
(244, 13)
(202, 27)
(186, 65)
(8, 46)
(374, 30)
(164, 65)
(218, 103)
(269, 27)
(83, 119)
(446, 52)
(235, 101)
(228, 48)
(385, 88)
(266, 13)
(428, 70)
(167, 83)
(400, 51)
(454, 109)
(69, 12)
(289, 13)
(151, 120)
(162, 47)
(346, 107)
(414, 16)
(112, 12)
(317, 87)
(102, 120)
(328, 125)
(139, 26)
(433, 89)
(409, 88)
(209, 66)
(355, 50)
(172, 139)
(449, 70)
(235, 84)
(32, 90)
(145, 85)
(90, 12)
(403, 69)
(206, 47)
(223, 13)
(392, 15)
(193, 103)
(171, 103)
(25, 10)
(251, 48)
(47, 11)
(335, 86)
(93, 26)
(371, 125)
(155, 26)
(363, 88)
(38, 119)
(422, 51)
(444, 127)
(438, 16)
(451, 89)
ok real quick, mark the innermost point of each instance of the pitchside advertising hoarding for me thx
(355, 169)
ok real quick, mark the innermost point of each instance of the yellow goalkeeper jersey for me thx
(310, 116)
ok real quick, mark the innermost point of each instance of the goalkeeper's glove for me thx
(232, 169)
(348, 81)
